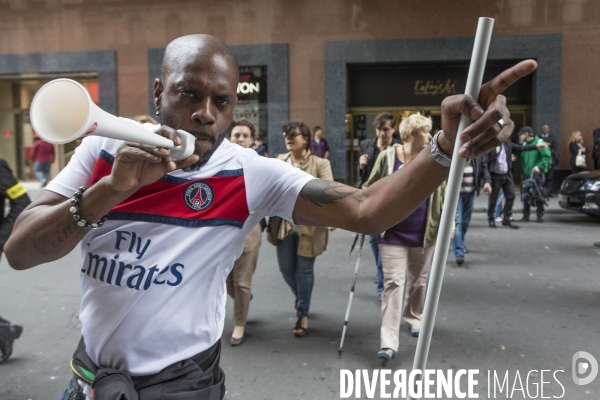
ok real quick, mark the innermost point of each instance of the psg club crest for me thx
(199, 196)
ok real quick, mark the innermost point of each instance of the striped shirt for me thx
(468, 181)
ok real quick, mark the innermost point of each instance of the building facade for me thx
(331, 63)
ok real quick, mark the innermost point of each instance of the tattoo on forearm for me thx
(61, 232)
(321, 192)
(45, 239)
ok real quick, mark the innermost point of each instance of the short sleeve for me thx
(79, 170)
(273, 186)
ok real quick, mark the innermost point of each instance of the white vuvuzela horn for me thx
(62, 111)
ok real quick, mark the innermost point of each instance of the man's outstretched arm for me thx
(395, 197)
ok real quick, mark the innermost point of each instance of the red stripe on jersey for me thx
(165, 198)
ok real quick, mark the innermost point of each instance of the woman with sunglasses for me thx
(298, 246)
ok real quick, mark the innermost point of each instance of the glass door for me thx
(16, 133)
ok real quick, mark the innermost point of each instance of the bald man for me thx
(162, 235)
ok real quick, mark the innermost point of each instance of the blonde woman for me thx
(576, 148)
(408, 246)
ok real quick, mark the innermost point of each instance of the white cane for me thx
(474, 79)
(360, 247)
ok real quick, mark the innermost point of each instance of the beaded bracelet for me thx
(75, 211)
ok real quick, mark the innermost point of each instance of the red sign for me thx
(8, 134)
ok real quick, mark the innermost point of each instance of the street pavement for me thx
(525, 300)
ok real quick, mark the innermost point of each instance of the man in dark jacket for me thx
(17, 196)
(385, 126)
(497, 173)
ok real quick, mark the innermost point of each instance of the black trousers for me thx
(508, 187)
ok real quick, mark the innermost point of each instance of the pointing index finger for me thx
(506, 79)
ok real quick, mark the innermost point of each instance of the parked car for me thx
(581, 192)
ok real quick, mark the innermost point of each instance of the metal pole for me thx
(474, 79)
(360, 247)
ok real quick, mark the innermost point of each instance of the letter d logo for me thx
(581, 368)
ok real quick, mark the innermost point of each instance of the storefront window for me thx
(17, 138)
(252, 98)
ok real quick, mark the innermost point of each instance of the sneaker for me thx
(460, 260)
(539, 219)
(386, 354)
(415, 332)
(498, 219)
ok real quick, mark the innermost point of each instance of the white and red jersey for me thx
(153, 277)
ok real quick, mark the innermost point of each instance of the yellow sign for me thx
(435, 87)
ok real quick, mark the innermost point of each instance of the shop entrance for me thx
(405, 89)
(17, 136)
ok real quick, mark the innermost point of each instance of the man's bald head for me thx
(197, 91)
(195, 48)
